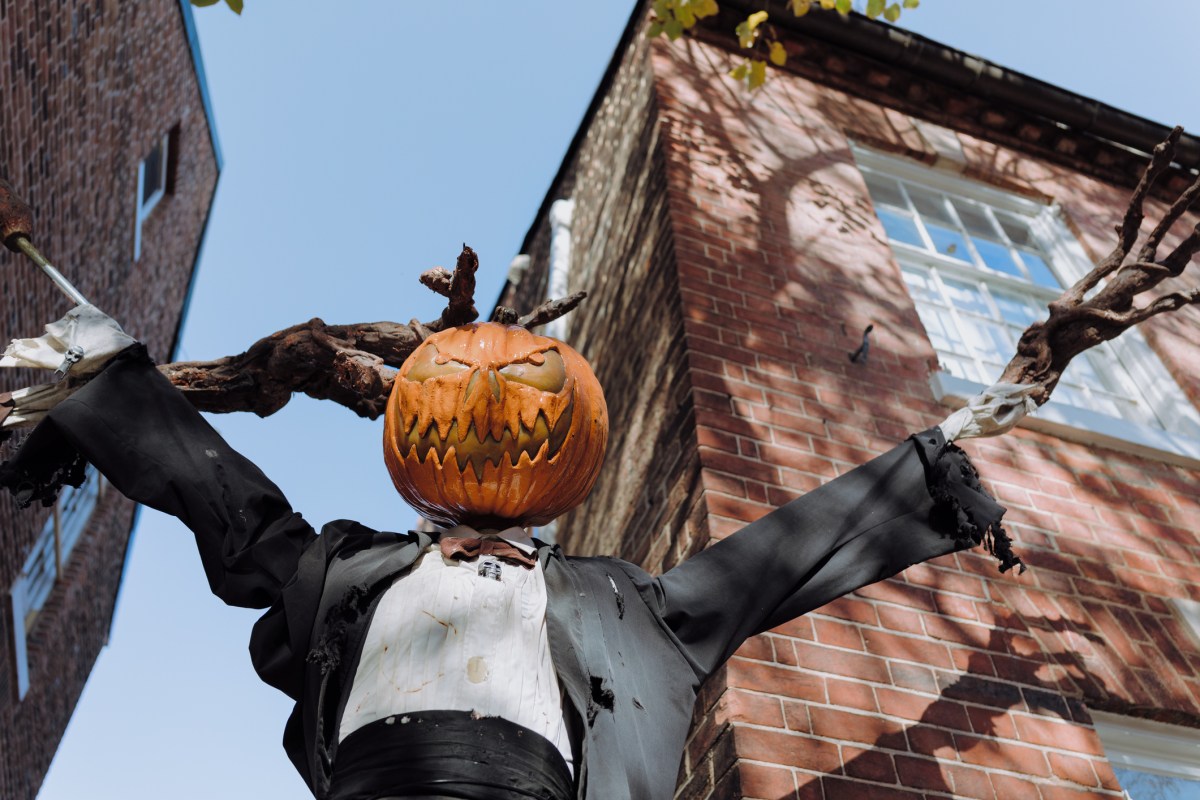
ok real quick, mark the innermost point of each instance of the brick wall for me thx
(951, 680)
(88, 88)
(735, 236)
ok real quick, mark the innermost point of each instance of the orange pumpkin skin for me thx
(492, 425)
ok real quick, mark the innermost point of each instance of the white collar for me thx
(516, 536)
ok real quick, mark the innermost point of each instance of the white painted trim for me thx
(20, 653)
(1189, 612)
(561, 214)
(1081, 425)
(938, 180)
(1148, 746)
(144, 209)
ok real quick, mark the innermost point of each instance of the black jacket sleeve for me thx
(918, 501)
(152, 445)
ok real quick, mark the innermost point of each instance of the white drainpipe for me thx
(561, 212)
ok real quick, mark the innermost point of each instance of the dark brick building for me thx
(735, 247)
(106, 130)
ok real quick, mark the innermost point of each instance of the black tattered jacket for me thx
(630, 649)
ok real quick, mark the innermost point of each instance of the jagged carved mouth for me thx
(468, 448)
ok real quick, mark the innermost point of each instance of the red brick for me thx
(777, 747)
(838, 634)
(768, 783)
(1001, 755)
(756, 675)
(1072, 768)
(866, 728)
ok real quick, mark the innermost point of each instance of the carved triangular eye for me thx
(429, 363)
(549, 376)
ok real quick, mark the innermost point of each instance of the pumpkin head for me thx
(491, 425)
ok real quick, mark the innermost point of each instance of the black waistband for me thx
(449, 754)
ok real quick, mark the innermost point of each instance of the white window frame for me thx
(1070, 261)
(1147, 746)
(40, 574)
(147, 204)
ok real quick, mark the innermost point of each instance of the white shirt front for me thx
(446, 637)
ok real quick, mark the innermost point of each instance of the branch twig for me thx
(353, 365)
(1075, 323)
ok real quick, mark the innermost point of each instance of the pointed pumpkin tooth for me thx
(512, 419)
(561, 428)
(529, 415)
(478, 459)
(541, 430)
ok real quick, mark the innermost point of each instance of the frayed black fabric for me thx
(47, 461)
(962, 508)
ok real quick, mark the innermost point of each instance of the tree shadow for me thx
(773, 178)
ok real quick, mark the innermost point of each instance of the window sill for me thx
(1086, 427)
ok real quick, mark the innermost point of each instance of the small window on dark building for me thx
(155, 180)
(44, 565)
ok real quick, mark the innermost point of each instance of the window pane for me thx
(940, 329)
(948, 242)
(966, 297)
(961, 368)
(39, 573)
(1018, 311)
(76, 509)
(930, 206)
(989, 340)
(885, 190)
(1146, 786)
(1039, 270)
(921, 287)
(996, 256)
(1016, 228)
(899, 227)
(152, 181)
(975, 219)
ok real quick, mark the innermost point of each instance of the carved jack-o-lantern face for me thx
(492, 425)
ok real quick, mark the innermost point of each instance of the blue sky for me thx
(364, 142)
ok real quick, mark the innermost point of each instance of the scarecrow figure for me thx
(482, 663)
(478, 662)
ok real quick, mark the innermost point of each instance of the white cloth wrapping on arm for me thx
(994, 411)
(91, 336)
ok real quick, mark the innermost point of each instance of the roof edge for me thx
(941, 63)
(193, 37)
(601, 92)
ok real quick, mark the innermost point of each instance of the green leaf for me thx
(744, 34)
(662, 9)
(758, 73)
(203, 3)
(236, 5)
(875, 8)
(911, 3)
(892, 13)
(829, 4)
(674, 29)
(706, 8)
(801, 7)
(844, 6)
(778, 54)
(738, 73)
(655, 29)
(747, 30)
(685, 16)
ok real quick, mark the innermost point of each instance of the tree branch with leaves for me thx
(674, 18)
